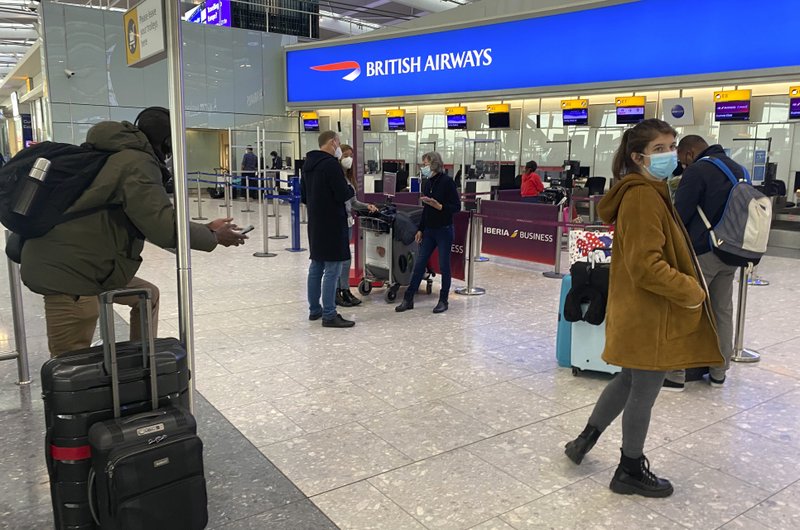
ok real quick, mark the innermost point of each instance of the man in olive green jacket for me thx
(79, 259)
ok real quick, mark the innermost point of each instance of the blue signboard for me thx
(211, 12)
(648, 39)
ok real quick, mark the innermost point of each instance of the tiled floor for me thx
(453, 421)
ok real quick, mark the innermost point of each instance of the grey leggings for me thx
(634, 392)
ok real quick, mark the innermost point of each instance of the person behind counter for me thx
(531, 183)
(440, 201)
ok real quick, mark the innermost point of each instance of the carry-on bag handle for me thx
(108, 335)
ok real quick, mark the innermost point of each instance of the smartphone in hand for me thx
(247, 230)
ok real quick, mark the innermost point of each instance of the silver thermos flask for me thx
(33, 183)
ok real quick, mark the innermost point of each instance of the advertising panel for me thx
(678, 111)
(486, 58)
(520, 230)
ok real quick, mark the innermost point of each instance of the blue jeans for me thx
(322, 280)
(344, 276)
(433, 238)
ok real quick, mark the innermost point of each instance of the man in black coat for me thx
(703, 184)
(324, 190)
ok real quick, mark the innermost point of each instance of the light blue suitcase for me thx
(588, 342)
(564, 334)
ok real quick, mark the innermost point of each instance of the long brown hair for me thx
(349, 173)
(635, 140)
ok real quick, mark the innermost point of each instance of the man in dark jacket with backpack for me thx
(79, 259)
(706, 186)
(324, 190)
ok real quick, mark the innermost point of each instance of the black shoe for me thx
(671, 386)
(633, 477)
(577, 448)
(405, 305)
(337, 322)
(315, 316)
(441, 307)
(347, 295)
(716, 383)
(341, 300)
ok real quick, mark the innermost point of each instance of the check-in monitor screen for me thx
(457, 121)
(732, 111)
(311, 125)
(628, 115)
(499, 120)
(397, 123)
(794, 109)
(367, 124)
(575, 116)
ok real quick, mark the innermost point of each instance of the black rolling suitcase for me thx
(77, 393)
(147, 469)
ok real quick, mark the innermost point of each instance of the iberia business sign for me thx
(569, 49)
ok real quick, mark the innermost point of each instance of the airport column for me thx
(178, 122)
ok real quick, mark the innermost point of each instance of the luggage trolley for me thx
(386, 259)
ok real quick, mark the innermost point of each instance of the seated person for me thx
(531, 183)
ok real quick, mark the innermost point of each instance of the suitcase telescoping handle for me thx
(110, 341)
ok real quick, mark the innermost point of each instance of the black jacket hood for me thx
(317, 158)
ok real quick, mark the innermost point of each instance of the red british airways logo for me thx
(344, 65)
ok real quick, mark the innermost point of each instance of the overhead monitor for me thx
(456, 118)
(396, 119)
(732, 105)
(575, 111)
(794, 103)
(499, 116)
(630, 110)
(310, 121)
(366, 122)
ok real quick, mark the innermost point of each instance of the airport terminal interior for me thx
(416, 420)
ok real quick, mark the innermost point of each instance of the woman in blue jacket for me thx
(440, 201)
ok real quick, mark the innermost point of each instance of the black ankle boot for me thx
(341, 300)
(633, 476)
(347, 295)
(577, 448)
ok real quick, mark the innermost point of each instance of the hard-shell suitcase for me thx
(147, 469)
(77, 393)
(564, 334)
(588, 342)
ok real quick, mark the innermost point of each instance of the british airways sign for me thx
(604, 45)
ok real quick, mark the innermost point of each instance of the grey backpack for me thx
(742, 233)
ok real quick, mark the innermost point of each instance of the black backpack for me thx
(73, 168)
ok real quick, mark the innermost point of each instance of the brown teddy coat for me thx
(658, 315)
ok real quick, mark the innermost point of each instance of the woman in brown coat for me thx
(658, 318)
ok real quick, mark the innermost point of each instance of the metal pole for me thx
(478, 234)
(556, 272)
(277, 206)
(178, 122)
(18, 317)
(470, 290)
(199, 202)
(740, 353)
(197, 180)
(262, 205)
(272, 188)
(303, 218)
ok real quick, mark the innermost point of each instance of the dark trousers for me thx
(249, 180)
(432, 239)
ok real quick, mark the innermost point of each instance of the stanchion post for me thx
(294, 185)
(228, 195)
(199, 194)
(470, 289)
(556, 272)
(478, 234)
(277, 207)
(199, 202)
(740, 353)
(18, 317)
(264, 227)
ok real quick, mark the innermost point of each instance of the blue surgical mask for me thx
(426, 171)
(662, 165)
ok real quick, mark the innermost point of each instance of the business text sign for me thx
(490, 58)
